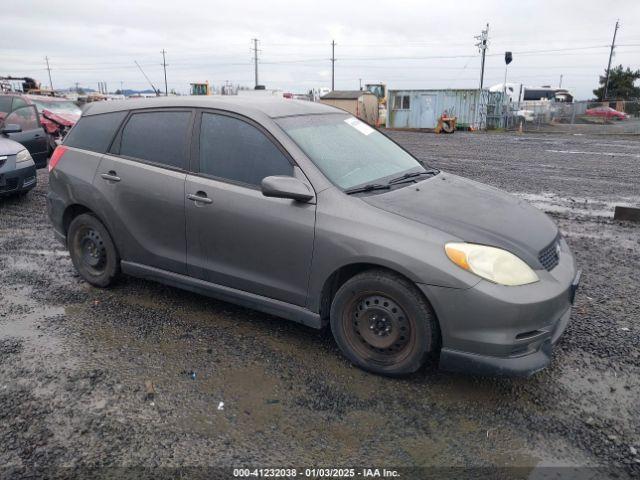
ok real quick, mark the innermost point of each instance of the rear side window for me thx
(158, 137)
(235, 150)
(95, 132)
(18, 103)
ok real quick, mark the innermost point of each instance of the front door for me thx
(428, 111)
(32, 136)
(236, 236)
(142, 183)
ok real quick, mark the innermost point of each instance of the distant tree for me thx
(118, 92)
(621, 84)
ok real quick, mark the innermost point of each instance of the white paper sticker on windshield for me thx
(360, 126)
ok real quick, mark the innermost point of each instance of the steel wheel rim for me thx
(91, 250)
(378, 329)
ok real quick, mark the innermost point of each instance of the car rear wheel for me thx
(92, 250)
(382, 323)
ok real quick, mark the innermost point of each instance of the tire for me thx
(92, 251)
(383, 324)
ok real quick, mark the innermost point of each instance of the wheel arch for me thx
(340, 275)
(74, 210)
(71, 212)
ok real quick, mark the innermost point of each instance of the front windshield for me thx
(346, 150)
(58, 107)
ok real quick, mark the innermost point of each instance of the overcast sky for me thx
(406, 44)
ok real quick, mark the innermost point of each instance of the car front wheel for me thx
(382, 323)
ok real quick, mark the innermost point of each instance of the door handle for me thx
(199, 197)
(111, 176)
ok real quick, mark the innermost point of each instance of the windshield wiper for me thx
(410, 176)
(367, 188)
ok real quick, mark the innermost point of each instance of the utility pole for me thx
(333, 65)
(49, 70)
(560, 83)
(483, 43)
(164, 65)
(613, 45)
(360, 80)
(77, 87)
(255, 60)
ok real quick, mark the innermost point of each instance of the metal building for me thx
(362, 104)
(422, 108)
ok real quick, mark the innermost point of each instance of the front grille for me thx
(550, 256)
(12, 184)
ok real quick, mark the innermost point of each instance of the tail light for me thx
(57, 155)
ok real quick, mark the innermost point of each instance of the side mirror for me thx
(11, 128)
(281, 186)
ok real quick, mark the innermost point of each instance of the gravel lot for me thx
(77, 363)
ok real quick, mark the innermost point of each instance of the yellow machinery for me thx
(200, 88)
(446, 123)
(380, 91)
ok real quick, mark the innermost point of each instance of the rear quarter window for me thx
(157, 137)
(95, 132)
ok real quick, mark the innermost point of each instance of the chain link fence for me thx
(612, 117)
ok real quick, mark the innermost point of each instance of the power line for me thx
(613, 45)
(203, 61)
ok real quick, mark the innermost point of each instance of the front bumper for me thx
(18, 180)
(491, 329)
(537, 357)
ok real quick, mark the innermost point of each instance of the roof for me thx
(436, 90)
(270, 106)
(345, 94)
(31, 96)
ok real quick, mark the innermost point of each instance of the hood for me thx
(473, 212)
(9, 147)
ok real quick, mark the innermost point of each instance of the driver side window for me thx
(235, 150)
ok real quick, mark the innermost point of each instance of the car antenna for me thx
(155, 90)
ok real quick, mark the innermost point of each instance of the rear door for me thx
(236, 236)
(142, 181)
(32, 135)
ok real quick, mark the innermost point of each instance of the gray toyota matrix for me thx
(300, 210)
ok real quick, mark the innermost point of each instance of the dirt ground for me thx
(233, 387)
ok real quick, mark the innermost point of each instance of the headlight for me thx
(23, 156)
(490, 263)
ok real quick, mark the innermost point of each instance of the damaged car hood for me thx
(66, 119)
(473, 212)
